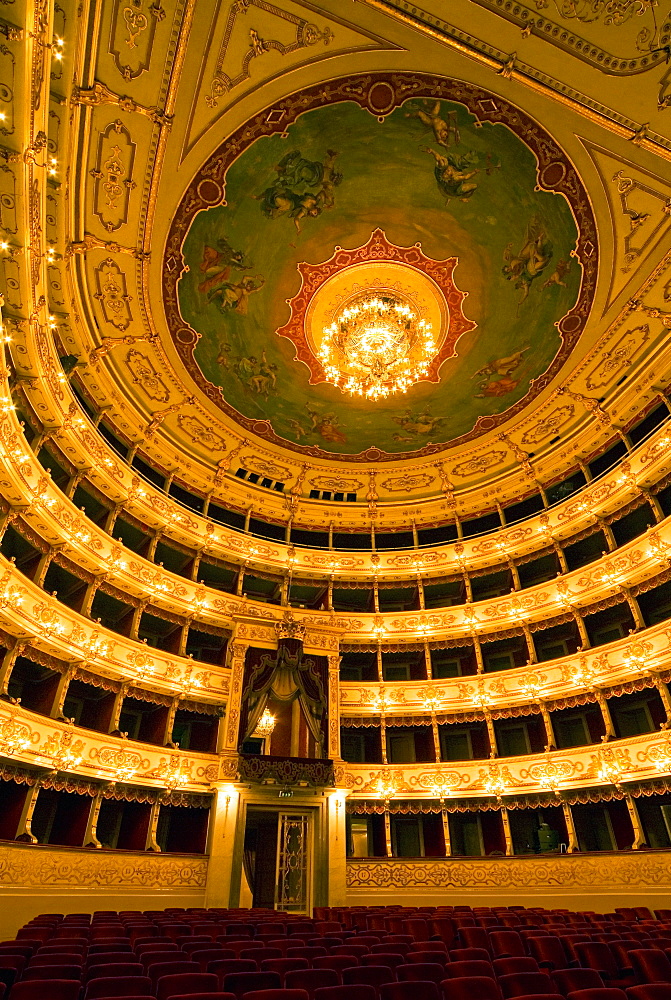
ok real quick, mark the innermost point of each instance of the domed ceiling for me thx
(474, 207)
(447, 197)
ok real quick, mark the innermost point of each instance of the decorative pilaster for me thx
(151, 843)
(237, 653)
(444, 815)
(333, 750)
(223, 820)
(91, 834)
(506, 832)
(639, 834)
(570, 829)
(605, 712)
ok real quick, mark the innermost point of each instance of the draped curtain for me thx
(285, 675)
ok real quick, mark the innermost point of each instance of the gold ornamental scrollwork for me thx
(440, 783)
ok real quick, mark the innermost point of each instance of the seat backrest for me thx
(240, 983)
(474, 937)
(59, 989)
(427, 989)
(506, 943)
(548, 950)
(54, 972)
(518, 984)
(596, 955)
(567, 980)
(458, 970)
(650, 965)
(360, 991)
(155, 972)
(103, 969)
(420, 972)
(259, 954)
(227, 966)
(119, 986)
(269, 995)
(607, 993)
(374, 975)
(469, 955)
(311, 979)
(505, 966)
(469, 987)
(337, 962)
(184, 983)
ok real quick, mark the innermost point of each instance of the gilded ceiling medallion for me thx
(377, 319)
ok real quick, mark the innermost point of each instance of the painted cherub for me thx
(443, 128)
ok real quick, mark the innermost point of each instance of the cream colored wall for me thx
(36, 879)
(577, 882)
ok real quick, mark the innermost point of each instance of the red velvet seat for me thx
(426, 989)
(460, 970)
(475, 937)
(160, 969)
(148, 958)
(570, 980)
(119, 986)
(106, 969)
(359, 992)
(549, 952)
(259, 954)
(226, 966)
(645, 991)
(313, 951)
(194, 996)
(349, 949)
(471, 988)
(283, 965)
(182, 984)
(505, 966)
(520, 984)
(246, 982)
(651, 965)
(277, 995)
(370, 975)
(506, 944)
(337, 962)
(55, 989)
(388, 958)
(312, 979)
(470, 955)
(600, 993)
(597, 955)
(420, 972)
(53, 972)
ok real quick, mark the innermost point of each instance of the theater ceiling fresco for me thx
(454, 183)
(242, 169)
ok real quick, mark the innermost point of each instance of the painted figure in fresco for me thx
(562, 268)
(258, 376)
(217, 262)
(528, 263)
(454, 173)
(496, 380)
(417, 424)
(444, 128)
(324, 424)
(235, 295)
(303, 188)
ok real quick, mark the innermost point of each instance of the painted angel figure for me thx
(443, 128)
(529, 262)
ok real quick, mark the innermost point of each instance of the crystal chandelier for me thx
(377, 345)
(265, 726)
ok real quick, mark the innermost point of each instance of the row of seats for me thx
(463, 954)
